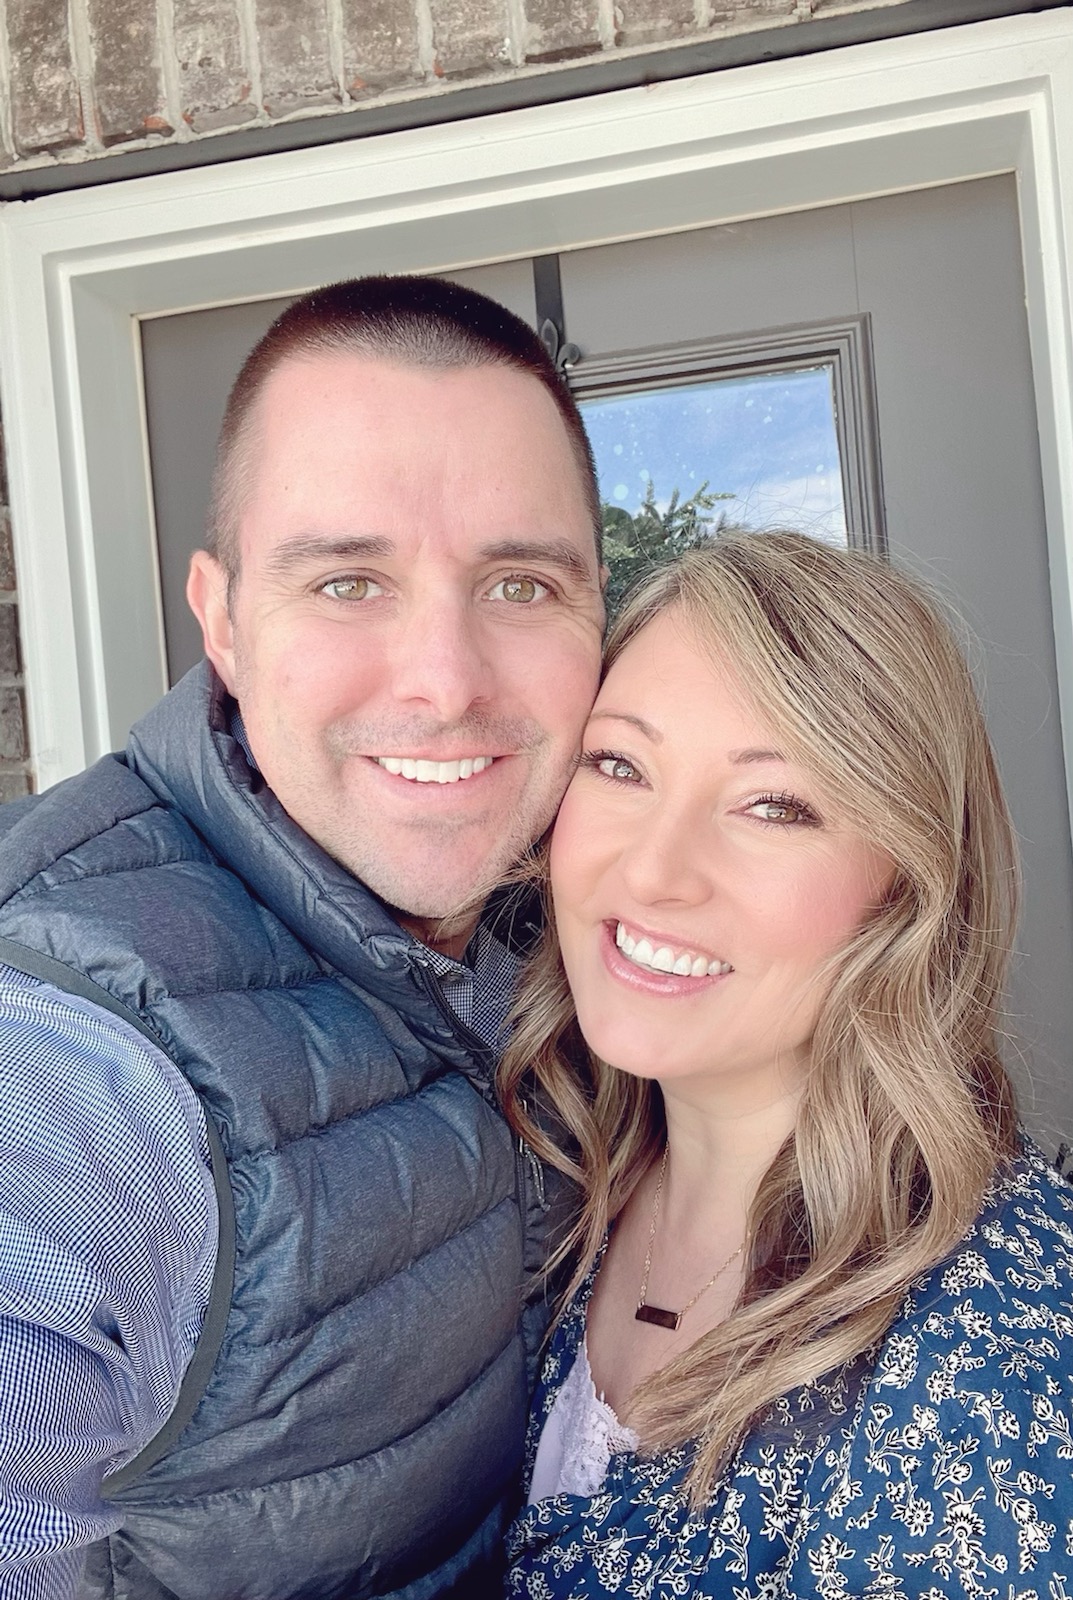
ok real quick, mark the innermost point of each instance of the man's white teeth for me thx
(434, 771)
(663, 959)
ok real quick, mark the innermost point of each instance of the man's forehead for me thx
(332, 418)
(332, 431)
(329, 421)
(338, 378)
(318, 380)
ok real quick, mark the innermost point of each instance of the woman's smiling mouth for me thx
(679, 961)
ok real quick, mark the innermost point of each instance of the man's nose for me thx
(440, 658)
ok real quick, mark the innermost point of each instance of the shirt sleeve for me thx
(108, 1235)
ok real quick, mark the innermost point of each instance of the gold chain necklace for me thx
(658, 1315)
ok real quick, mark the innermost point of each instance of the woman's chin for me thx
(639, 1051)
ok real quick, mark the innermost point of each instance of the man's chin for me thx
(442, 910)
(426, 897)
(447, 882)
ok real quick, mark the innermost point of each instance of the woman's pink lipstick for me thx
(646, 980)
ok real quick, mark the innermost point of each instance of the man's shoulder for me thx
(102, 869)
(85, 826)
(80, 1082)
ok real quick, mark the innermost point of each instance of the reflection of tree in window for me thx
(635, 541)
(768, 440)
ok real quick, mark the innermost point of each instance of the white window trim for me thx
(78, 270)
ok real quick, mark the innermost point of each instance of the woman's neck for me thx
(680, 1244)
(718, 1148)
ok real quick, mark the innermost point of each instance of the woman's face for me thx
(700, 879)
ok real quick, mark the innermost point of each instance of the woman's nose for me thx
(665, 861)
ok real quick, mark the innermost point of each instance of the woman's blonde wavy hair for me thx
(907, 1110)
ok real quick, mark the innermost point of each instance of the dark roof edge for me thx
(588, 77)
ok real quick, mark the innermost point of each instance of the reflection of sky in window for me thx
(768, 440)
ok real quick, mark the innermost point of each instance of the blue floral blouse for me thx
(941, 1466)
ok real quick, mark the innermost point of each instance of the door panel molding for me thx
(78, 270)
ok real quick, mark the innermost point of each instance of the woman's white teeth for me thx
(662, 958)
(434, 771)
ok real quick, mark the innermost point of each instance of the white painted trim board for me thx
(78, 270)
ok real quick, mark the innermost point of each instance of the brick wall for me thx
(14, 755)
(79, 81)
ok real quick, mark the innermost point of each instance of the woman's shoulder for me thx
(997, 1313)
(1020, 1246)
(957, 1462)
(560, 1354)
(1030, 1192)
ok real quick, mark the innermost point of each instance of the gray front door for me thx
(935, 278)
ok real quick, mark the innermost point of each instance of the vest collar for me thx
(185, 751)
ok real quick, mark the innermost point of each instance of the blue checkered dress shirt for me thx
(108, 1233)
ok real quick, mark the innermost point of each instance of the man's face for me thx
(414, 635)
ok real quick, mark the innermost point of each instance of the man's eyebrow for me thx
(554, 552)
(298, 552)
(635, 722)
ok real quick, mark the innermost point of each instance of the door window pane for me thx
(680, 463)
(766, 445)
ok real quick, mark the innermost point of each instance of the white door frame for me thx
(78, 270)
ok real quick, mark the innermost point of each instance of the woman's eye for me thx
(351, 589)
(518, 589)
(608, 765)
(782, 809)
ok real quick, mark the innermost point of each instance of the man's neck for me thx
(442, 934)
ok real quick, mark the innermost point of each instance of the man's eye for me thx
(351, 589)
(519, 589)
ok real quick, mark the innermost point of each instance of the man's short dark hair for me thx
(413, 321)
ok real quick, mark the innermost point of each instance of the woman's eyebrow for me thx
(745, 758)
(626, 716)
(739, 758)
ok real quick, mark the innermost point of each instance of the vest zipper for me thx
(533, 1162)
(526, 1162)
(474, 1044)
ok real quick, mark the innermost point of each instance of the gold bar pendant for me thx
(658, 1317)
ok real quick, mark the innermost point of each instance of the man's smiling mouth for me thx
(434, 771)
(681, 962)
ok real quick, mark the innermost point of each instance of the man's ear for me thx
(206, 593)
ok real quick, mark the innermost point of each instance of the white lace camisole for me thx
(579, 1438)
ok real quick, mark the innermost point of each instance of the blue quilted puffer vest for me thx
(352, 1421)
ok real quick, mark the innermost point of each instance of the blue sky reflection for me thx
(769, 440)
